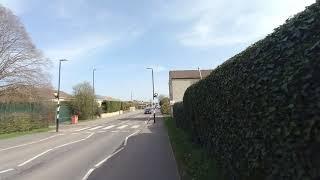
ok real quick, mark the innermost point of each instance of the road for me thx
(70, 154)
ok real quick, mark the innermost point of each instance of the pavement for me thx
(83, 151)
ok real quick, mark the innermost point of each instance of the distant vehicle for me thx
(147, 111)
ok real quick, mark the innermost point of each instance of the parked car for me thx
(147, 111)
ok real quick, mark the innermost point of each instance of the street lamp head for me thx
(149, 68)
(63, 60)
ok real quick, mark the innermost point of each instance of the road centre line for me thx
(7, 170)
(35, 157)
(57, 147)
(32, 142)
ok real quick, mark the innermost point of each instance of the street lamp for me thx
(94, 96)
(153, 96)
(58, 95)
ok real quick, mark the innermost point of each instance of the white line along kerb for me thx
(88, 174)
(108, 157)
(104, 160)
(126, 140)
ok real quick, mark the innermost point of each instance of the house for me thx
(100, 99)
(63, 96)
(180, 80)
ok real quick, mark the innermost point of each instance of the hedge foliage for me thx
(19, 117)
(111, 106)
(259, 112)
(165, 105)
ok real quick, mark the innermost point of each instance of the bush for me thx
(165, 105)
(19, 122)
(111, 106)
(259, 112)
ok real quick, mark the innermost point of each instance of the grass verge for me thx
(16, 134)
(193, 162)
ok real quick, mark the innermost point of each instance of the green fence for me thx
(25, 116)
(65, 112)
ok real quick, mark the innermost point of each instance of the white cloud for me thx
(76, 48)
(219, 22)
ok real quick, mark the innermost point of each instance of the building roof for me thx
(188, 74)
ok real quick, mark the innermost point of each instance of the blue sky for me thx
(121, 38)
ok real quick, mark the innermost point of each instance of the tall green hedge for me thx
(259, 112)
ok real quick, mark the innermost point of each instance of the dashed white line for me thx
(87, 174)
(97, 127)
(121, 127)
(33, 142)
(7, 170)
(108, 127)
(135, 126)
(35, 157)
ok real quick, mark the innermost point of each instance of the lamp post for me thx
(58, 96)
(94, 96)
(153, 96)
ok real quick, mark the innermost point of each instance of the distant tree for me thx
(83, 99)
(22, 65)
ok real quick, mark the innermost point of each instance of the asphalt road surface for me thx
(70, 154)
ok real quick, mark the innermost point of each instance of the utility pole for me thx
(58, 96)
(94, 96)
(153, 96)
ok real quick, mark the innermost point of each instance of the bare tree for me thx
(22, 65)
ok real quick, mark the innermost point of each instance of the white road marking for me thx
(126, 140)
(108, 127)
(135, 126)
(102, 131)
(72, 142)
(104, 160)
(35, 157)
(108, 157)
(115, 131)
(85, 177)
(97, 127)
(75, 133)
(33, 142)
(57, 147)
(121, 127)
(7, 170)
(81, 129)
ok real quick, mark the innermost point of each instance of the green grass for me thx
(193, 162)
(16, 134)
